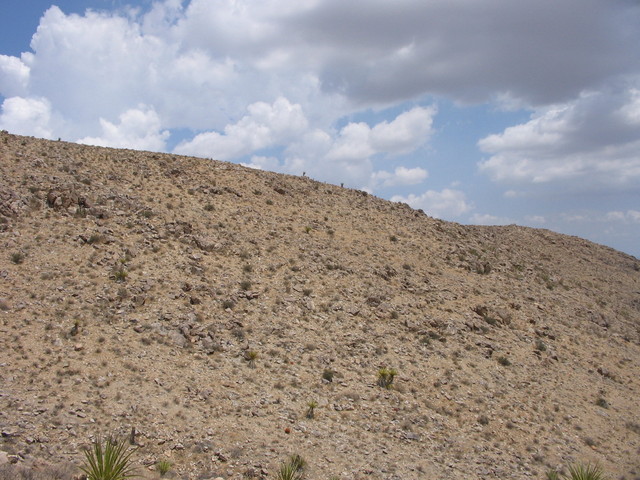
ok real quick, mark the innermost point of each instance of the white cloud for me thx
(263, 163)
(264, 126)
(137, 128)
(14, 76)
(594, 140)
(447, 203)
(400, 176)
(27, 116)
(352, 144)
(405, 133)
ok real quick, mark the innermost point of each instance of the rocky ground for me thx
(206, 306)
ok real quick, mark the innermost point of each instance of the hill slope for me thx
(135, 286)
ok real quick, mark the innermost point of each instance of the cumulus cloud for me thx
(264, 126)
(447, 203)
(593, 140)
(14, 76)
(137, 128)
(344, 156)
(405, 133)
(27, 116)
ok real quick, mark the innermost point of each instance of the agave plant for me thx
(108, 460)
(579, 472)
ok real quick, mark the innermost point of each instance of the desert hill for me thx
(210, 307)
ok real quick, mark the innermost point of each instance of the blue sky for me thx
(492, 112)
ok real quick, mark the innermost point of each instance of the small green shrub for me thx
(328, 374)
(120, 274)
(540, 346)
(163, 467)
(292, 469)
(108, 460)
(251, 356)
(17, 258)
(311, 409)
(386, 377)
(504, 361)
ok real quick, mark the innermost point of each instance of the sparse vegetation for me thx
(251, 356)
(579, 472)
(163, 467)
(17, 257)
(108, 459)
(504, 361)
(311, 409)
(292, 469)
(386, 377)
(119, 274)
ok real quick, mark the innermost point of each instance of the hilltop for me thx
(205, 305)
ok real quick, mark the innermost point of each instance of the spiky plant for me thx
(108, 460)
(163, 467)
(579, 472)
(586, 472)
(292, 469)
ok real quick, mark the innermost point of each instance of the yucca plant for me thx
(579, 472)
(292, 469)
(108, 460)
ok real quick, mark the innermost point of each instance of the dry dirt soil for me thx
(205, 306)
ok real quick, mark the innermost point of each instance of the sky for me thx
(487, 112)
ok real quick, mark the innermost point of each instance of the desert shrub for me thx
(311, 409)
(17, 258)
(504, 361)
(250, 356)
(163, 467)
(386, 377)
(292, 469)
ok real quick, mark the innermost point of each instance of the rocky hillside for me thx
(233, 317)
